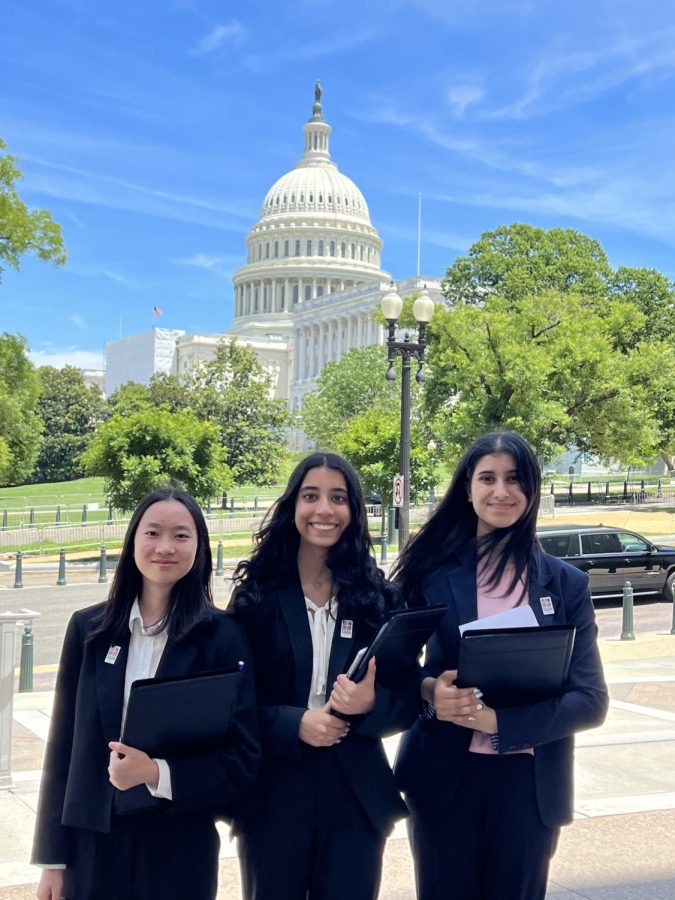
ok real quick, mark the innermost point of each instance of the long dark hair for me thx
(190, 597)
(360, 584)
(453, 524)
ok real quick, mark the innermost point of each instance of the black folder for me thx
(176, 716)
(516, 666)
(398, 643)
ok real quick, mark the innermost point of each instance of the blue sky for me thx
(152, 131)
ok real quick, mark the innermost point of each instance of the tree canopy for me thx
(70, 412)
(234, 392)
(22, 230)
(143, 450)
(20, 425)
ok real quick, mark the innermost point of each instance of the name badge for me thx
(112, 654)
(346, 628)
(546, 606)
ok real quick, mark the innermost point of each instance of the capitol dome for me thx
(314, 238)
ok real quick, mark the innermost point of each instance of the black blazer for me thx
(280, 637)
(75, 790)
(432, 754)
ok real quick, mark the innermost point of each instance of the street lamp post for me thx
(407, 349)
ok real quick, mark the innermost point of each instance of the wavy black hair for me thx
(454, 523)
(361, 586)
(190, 597)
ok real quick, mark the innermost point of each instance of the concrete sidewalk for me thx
(622, 846)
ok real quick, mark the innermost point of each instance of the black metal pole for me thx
(405, 451)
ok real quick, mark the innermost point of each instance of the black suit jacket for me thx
(75, 790)
(278, 629)
(432, 754)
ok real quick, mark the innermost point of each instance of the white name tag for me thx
(346, 628)
(546, 606)
(112, 654)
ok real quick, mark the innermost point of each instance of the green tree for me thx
(653, 295)
(235, 393)
(347, 388)
(371, 442)
(20, 426)
(548, 370)
(70, 412)
(143, 450)
(519, 261)
(24, 231)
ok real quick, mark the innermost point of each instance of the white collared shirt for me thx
(322, 627)
(146, 646)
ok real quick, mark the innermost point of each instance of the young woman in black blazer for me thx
(488, 789)
(159, 619)
(309, 598)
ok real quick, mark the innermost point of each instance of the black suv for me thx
(612, 556)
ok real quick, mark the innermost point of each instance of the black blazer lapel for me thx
(177, 658)
(542, 589)
(110, 687)
(461, 585)
(294, 613)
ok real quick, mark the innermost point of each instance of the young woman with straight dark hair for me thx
(159, 619)
(310, 597)
(488, 789)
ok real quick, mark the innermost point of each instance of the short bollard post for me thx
(26, 670)
(58, 515)
(110, 514)
(255, 504)
(18, 571)
(219, 559)
(84, 513)
(627, 625)
(31, 517)
(5, 522)
(103, 566)
(383, 546)
(61, 579)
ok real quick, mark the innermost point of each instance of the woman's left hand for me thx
(483, 719)
(354, 698)
(129, 767)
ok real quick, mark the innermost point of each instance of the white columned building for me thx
(308, 289)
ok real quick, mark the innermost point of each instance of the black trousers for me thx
(490, 843)
(310, 839)
(146, 858)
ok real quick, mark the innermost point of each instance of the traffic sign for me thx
(398, 490)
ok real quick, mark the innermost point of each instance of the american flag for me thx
(156, 311)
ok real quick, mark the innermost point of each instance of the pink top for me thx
(492, 600)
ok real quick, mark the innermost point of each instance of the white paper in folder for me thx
(518, 617)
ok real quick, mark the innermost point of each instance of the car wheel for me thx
(667, 593)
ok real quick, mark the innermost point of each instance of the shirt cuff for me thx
(163, 787)
(51, 865)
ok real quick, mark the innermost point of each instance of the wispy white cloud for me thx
(211, 262)
(463, 96)
(234, 33)
(314, 49)
(67, 356)
(78, 321)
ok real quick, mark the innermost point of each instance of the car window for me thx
(602, 542)
(558, 544)
(631, 543)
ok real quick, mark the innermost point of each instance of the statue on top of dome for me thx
(318, 91)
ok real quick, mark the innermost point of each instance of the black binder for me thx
(176, 716)
(516, 666)
(398, 643)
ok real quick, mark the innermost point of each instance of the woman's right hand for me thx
(450, 702)
(50, 886)
(320, 729)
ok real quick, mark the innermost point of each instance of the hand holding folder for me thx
(179, 716)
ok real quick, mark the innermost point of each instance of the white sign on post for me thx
(398, 490)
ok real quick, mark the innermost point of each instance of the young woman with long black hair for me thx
(310, 597)
(159, 619)
(488, 789)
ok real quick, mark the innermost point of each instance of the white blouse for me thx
(322, 628)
